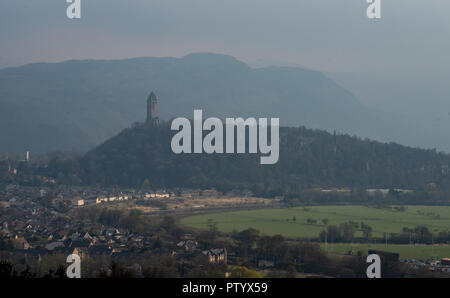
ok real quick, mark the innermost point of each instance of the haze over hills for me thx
(415, 105)
(76, 105)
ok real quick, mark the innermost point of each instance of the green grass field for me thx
(280, 221)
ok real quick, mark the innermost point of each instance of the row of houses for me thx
(79, 201)
(188, 248)
(158, 195)
(110, 242)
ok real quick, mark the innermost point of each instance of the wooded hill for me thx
(142, 156)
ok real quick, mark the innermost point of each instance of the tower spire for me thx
(152, 116)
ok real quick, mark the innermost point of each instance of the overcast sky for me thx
(328, 35)
(399, 64)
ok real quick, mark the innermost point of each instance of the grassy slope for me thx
(275, 221)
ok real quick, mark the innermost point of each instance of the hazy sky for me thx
(328, 35)
(399, 65)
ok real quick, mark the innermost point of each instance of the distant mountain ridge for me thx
(76, 105)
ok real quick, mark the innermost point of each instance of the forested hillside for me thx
(308, 158)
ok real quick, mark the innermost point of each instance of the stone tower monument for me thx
(152, 116)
